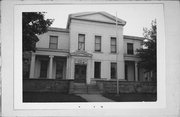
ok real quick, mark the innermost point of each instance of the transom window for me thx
(53, 42)
(113, 45)
(81, 42)
(98, 43)
(130, 49)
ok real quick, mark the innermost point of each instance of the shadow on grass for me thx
(50, 97)
(131, 97)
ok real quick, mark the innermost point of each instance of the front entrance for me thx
(80, 73)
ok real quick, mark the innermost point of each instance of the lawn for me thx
(138, 97)
(50, 97)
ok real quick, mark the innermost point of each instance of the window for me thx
(43, 70)
(59, 70)
(53, 43)
(130, 49)
(81, 42)
(98, 43)
(97, 69)
(113, 45)
(113, 70)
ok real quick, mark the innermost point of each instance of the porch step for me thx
(79, 88)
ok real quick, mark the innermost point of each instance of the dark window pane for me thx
(43, 70)
(97, 69)
(59, 70)
(113, 70)
(130, 49)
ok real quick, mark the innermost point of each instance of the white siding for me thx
(136, 45)
(63, 40)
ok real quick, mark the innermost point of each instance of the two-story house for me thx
(91, 47)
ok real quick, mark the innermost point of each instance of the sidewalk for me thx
(95, 98)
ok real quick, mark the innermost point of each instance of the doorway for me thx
(80, 73)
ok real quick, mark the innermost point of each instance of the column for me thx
(32, 67)
(50, 66)
(136, 70)
(67, 68)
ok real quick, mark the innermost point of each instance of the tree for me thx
(34, 24)
(148, 52)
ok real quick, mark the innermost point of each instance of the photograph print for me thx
(90, 53)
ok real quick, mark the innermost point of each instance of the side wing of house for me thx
(132, 71)
(50, 59)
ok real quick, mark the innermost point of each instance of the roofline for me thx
(133, 37)
(93, 21)
(103, 13)
(58, 29)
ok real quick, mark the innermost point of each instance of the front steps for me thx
(82, 88)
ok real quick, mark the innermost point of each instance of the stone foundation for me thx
(127, 87)
(46, 85)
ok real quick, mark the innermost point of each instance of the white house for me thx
(91, 48)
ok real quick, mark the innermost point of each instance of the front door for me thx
(80, 73)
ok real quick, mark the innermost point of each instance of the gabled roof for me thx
(84, 16)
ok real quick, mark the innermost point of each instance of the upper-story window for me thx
(53, 42)
(130, 49)
(98, 43)
(81, 42)
(113, 45)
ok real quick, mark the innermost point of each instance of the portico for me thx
(48, 66)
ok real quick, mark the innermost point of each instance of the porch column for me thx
(50, 66)
(32, 67)
(67, 68)
(136, 70)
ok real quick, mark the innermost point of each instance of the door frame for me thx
(85, 80)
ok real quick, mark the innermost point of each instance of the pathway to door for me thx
(95, 98)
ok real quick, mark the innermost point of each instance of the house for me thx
(92, 47)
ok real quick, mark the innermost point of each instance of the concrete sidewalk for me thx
(95, 98)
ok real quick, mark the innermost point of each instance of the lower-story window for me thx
(113, 70)
(97, 69)
(43, 70)
(59, 70)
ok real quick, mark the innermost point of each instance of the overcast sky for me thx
(137, 16)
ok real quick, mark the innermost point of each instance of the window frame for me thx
(129, 50)
(81, 42)
(50, 43)
(115, 63)
(99, 69)
(111, 45)
(95, 43)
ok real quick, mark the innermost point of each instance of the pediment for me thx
(81, 53)
(97, 16)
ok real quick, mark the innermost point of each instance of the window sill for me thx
(97, 52)
(112, 53)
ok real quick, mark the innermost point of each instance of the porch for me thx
(48, 67)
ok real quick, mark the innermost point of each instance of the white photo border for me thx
(18, 103)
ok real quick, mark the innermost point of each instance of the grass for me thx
(50, 97)
(138, 97)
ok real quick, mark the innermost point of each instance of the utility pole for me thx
(117, 50)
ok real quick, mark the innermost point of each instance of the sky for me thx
(136, 16)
